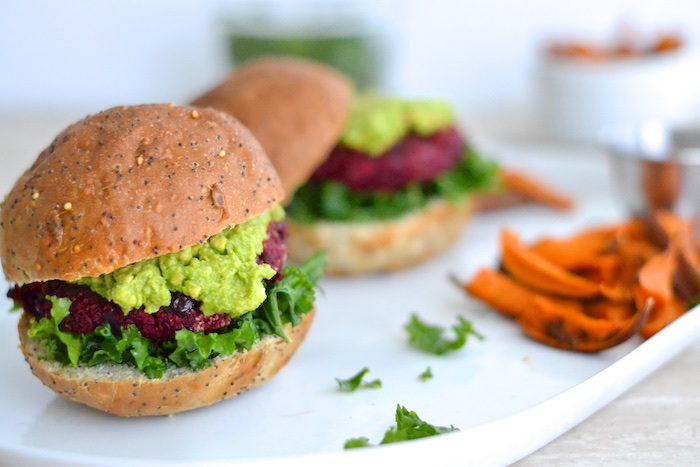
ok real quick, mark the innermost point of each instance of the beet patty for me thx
(89, 310)
(413, 159)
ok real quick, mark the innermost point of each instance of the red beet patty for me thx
(89, 310)
(413, 159)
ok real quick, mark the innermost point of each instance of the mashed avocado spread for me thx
(222, 273)
(376, 123)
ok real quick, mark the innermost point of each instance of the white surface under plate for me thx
(506, 394)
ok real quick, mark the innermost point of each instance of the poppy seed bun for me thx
(381, 246)
(132, 183)
(124, 391)
(296, 109)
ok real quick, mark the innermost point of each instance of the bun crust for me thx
(295, 108)
(381, 246)
(124, 391)
(128, 184)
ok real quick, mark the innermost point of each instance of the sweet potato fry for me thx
(611, 310)
(501, 293)
(534, 271)
(589, 254)
(556, 324)
(617, 292)
(632, 255)
(672, 225)
(496, 200)
(517, 188)
(686, 282)
(662, 316)
(580, 251)
(680, 236)
(498, 291)
(633, 229)
(560, 323)
(534, 190)
(655, 280)
(596, 289)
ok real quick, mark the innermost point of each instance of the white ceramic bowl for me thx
(576, 98)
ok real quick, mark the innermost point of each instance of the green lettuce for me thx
(103, 346)
(291, 297)
(430, 339)
(354, 383)
(64, 347)
(408, 426)
(426, 375)
(332, 201)
(287, 301)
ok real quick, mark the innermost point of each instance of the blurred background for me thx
(76, 57)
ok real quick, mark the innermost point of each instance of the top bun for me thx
(132, 183)
(296, 109)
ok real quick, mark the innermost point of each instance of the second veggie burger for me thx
(392, 184)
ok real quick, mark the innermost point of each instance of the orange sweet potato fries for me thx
(598, 288)
(517, 188)
(624, 47)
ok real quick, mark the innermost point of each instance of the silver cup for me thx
(655, 166)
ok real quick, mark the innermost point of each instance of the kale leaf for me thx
(356, 382)
(408, 426)
(430, 339)
(287, 301)
(333, 201)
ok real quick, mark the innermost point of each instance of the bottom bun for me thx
(354, 248)
(124, 391)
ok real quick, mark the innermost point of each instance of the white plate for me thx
(507, 395)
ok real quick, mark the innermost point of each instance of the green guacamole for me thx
(376, 123)
(222, 273)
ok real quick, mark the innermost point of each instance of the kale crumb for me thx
(356, 382)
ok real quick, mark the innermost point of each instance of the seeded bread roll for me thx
(124, 391)
(153, 179)
(119, 187)
(298, 109)
(381, 246)
(295, 108)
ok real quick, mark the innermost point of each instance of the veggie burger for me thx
(378, 183)
(146, 249)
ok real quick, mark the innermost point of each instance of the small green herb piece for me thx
(361, 442)
(430, 338)
(426, 375)
(408, 426)
(356, 382)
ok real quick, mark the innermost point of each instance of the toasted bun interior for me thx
(128, 184)
(124, 391)
(381, 246)
(296, 109)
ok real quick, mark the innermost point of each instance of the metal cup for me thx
(654, 166)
